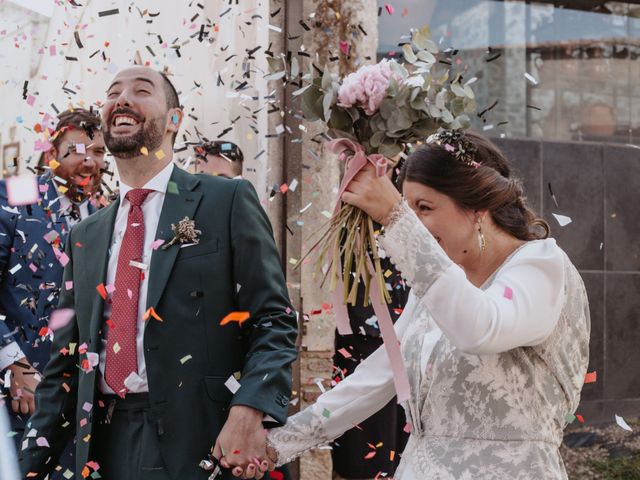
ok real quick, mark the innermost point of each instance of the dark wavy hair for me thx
(488, 186)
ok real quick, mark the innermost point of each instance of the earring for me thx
(482, 242)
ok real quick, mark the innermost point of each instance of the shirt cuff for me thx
(9, 354)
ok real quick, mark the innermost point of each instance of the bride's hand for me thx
(376, 196)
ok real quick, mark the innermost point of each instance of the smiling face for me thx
(136, 113)
(453, 227)
(81, 171)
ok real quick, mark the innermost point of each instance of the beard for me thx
(149, 136)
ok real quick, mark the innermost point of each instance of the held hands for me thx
(241, 444)
(24, 380)
(376, 196)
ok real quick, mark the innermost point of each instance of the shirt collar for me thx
(159, 183)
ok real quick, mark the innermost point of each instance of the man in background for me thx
(32, 259)
(220, 158)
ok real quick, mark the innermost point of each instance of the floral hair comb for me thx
(456, 143)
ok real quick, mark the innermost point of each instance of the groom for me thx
(182, 334)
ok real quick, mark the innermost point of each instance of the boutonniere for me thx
(184, 232)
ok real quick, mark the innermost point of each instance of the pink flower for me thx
(367, 87)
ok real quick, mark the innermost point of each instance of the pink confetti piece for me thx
(33, 268)
(110, 288)
(157, 243)
(68, 285)
(83, 422)
(52, 50)
(389, 8)
(60, 318)
(42, 442)
(22, 190)
(43, 188)
(63, 259)
(87, 407)
(407, 428)
(344, 352)
(344, 47)
(508, 293)
(31, 100)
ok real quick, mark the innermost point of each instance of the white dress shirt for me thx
(12, 352)
(151, 209)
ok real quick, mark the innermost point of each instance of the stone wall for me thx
(597, 186)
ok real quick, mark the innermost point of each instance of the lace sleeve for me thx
(413, 250)
(303, 431)
(369, 388)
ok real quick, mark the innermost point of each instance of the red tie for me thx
(122, 358)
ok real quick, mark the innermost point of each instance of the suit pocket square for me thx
(198, 249)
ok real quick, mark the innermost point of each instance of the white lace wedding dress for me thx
(494, 371)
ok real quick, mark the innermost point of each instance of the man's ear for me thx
(175, 119)
(51, 154)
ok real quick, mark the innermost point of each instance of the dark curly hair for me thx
(489, 185)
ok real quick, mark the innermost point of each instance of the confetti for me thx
(389, 8)
(232, 384)
(531, 78)
(106, 13)
(562, 220)
(239, 317)
(151, 313)
(102, 291)
(60, 318)
(622, 424)
(22, 190)
(590, 377)
(508, 293)
(185, 359)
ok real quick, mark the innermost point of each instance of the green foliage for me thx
(623, 468)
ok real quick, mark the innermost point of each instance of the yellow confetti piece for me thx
(388, 273)
(293, 261)
(54, 164)
(62, 189)
(144, 151)
(72, 348)
(160, 154)
(185, 359)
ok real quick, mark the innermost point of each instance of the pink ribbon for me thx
(354, 153)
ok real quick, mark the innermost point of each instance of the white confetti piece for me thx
(232, 384)
(563, 220)
(185, 359)
(622, 424)
(15, 269)
(531, 78)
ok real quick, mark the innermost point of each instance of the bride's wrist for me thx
(394, 213)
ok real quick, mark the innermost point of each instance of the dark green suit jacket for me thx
(189, 355)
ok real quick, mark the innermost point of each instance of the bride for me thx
(495, 335)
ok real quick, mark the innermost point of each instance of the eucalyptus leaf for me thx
(409, 56)
(390, 150)
(275, 64)
(340, 120)
(386, 108)
(311, 104)
(326, 80)
(377, 139)
(327, 102)
(295, 67)
(426, 57)
(275, 76)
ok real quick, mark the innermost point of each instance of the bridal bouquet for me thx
(372, 115)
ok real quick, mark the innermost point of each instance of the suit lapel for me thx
(175, 208)
(99, 231)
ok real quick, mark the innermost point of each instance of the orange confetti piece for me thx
(151, 313)
(392, 455)
(580, 418)
(102, 291)
(239, 317)
(590, 377)
(86, 472)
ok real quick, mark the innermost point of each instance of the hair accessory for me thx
(456, 143)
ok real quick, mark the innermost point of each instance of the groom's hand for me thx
(241, 444)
